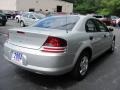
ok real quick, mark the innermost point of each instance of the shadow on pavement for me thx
(53, 82)
(100, 60)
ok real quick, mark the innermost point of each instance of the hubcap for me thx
(84, 65)
(22, 24)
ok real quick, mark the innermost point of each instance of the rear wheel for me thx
(81, 68)
(3, 24)
(112, 48)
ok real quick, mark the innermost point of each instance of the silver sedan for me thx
(57, 45)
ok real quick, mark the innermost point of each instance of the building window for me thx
(59, 8)
(31, 10)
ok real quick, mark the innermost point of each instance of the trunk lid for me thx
(32, 37)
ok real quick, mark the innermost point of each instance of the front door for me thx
(107, 39)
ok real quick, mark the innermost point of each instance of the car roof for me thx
(68, 15)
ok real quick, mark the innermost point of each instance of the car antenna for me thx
(66, 15)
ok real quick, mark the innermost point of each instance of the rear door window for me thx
(90, 26)
(25, 15)
(31, 16)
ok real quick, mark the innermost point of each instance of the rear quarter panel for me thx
(77, 42)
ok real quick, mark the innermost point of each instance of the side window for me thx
(25, 15)
(90, 26)
(101, 26)
(31, 16)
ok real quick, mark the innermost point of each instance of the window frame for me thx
(102, 24)
(26, 15)
(32, 15)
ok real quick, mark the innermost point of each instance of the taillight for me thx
(54, 45)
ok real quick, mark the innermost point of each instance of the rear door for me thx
(31, 19)
(95, 36)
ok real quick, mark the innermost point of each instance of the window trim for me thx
(31, 15)
(88, 30)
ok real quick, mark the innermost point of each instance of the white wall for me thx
(7, 4)
(24, 5)
(49, 5)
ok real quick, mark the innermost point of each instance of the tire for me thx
(17, 20)
(112, 48)
(3, 24)
(81, 68)
(22, 24)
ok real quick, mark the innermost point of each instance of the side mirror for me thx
(111, 29)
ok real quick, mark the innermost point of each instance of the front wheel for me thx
(112, 48)
(22, 24)
(81, 68)
(17, 20)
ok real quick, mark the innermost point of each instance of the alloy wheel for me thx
(113, 45)
(84, 65)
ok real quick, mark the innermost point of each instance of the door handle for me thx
(91, 37)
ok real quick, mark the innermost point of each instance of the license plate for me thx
(17, 57)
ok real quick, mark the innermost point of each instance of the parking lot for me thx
(104, 73)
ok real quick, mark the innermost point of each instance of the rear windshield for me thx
(62, 23)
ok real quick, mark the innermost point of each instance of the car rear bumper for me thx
(39, 62)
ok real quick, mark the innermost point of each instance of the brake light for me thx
(54, 45)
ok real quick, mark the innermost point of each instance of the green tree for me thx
(110, 7)
(105, 7)
(88, 6)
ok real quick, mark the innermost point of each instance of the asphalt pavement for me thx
(104, 72)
